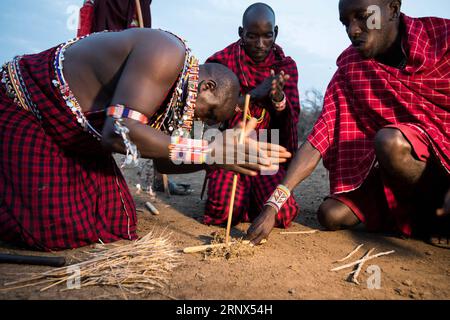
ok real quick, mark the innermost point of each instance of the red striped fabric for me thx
(252, 74)
(365, 96)
(251, 195)
(253, 192)
(58, 189)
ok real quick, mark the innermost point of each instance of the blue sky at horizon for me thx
(310, 31)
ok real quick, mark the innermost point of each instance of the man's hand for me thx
(262, 226)
(278, 84)
(271, 88)
(262, 92)
(253, 156)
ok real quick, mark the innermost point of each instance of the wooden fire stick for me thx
(139, 14)
(235, 179)
(206, 247)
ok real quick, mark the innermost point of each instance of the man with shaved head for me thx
(385, 127)
(271, 79)
(65, 110)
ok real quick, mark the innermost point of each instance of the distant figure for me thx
(385, 127)
(271, 79)
(112, 15)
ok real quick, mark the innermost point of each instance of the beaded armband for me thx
(279, 197)
(189, 151)
(280, 106)
(120, 111)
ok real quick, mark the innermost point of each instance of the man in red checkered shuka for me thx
(271, 79)
(384, 130)
(64, 111)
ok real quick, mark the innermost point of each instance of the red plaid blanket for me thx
(58, 189)
(364, 96)
(252, 74)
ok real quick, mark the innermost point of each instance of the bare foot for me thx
(441, 242)
(445, 210)
(442, 239)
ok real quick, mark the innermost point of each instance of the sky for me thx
(309, 31)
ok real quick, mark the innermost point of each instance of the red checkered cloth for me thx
(86, 19)
(365, 96)
(112, 15)
(251, 195)
(58, 189)
(252, 74)
(253, 192)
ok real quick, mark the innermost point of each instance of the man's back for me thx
(94, 65)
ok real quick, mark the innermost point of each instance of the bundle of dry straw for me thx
(138, 267)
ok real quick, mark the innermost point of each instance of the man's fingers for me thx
(258, 239)
(440, 213)
(245, 171)
(252, 233)
(277, 160)
(274, 149)
(250, 126)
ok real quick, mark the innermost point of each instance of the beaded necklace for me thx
(16, 88)
(67, 94)
(178, 117)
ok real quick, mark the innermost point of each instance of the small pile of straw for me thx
(138, 267)
(239, 248)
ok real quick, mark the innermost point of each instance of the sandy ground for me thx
(288, 267)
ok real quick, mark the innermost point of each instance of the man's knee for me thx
(331, 215)
(391, 146)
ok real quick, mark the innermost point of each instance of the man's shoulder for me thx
(437, 29)
(347, 57)
(155, 38)
(433, 22)
(225, 53)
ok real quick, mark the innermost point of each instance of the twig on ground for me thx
(350, 254)
(300, 232)
(358, 270)
(361, 260)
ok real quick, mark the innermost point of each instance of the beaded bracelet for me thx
(280, 106)
(120, 112)
(189, 151)
(132, 156)
(279, 197)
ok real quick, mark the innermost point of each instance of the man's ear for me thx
(241, 32)
(237, 109)
(276, 33)
(395, 6)
(208, 85)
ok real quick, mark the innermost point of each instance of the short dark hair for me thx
(257, 5)
(227, 81)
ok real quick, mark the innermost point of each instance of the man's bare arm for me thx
(301, 167)
(151, 69)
